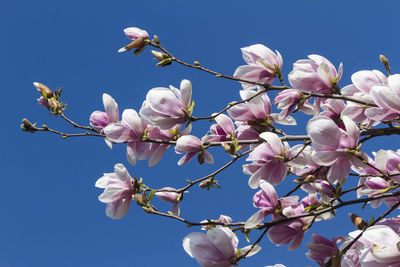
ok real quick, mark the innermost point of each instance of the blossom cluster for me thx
(330, 152)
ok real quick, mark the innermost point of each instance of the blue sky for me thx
(50, 213)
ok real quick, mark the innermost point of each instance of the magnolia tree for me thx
(341, 119)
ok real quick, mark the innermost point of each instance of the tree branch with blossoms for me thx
(329, 153)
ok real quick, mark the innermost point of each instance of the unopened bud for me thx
(196, 63)
(54, 104)
(358, 221)
(385, 62)
(44, 90)
(200, 157)
(27, 126)
(383, 59)
(156, 39)
(206, 183)
(159, 55)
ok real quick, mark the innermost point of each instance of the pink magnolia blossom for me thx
(118, 191)
(387, 97)
(99, 119)
(166, 107)
(217, 248)
(385, 247)
(330, 143)
(267, 201)
(322, 249)
(158, 149)
(130, 130)
(134, 34)
(288, 99)
(170, 197)
(360, 89)
(256, 113)
(223, 130)
(315, 74)
(268, 161)
(261, 65)
(192, 146)
(292, 231)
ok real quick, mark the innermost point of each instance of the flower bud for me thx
(358, 221)
(159, 55)
(43, 90)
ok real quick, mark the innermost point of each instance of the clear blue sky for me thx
(50, 212)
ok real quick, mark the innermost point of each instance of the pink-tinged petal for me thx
(394, 83)
(111, 108)
(208, 157)
(187, 143)
(186, 158)
(324, 72)
(255, 178)
(118, 209)
(254, 73)
(255, 219)
(325, 158)
(274, 141)
(198, 246)
(111, 194)
(296, 241)
(99, 120)
(356, 113)
(109, 180)
(365, 79)
(116, 132)
(226, 123)
(170, 197)
(131, 119)
(339, 170)
(176, 210)
(324, 133)
(133, 33)
(379, 114)
(381, 159)
(240, 112)
(157, 154)
(186, 93)
(275, 172)
(131, 153)
(224, 239)
(353, 132)
(306, 80)
(254, 52)
(255, 105)
(269, 190)
(164, 101)
(253, 251)
(122, 172)
(387, 98)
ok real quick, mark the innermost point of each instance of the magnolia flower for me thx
(138, 37)
(118, 191)
(263, 65)
(170, 197)
(268, 161)
(131, 130)
(288, 99)
(223, 130)
(292, 231)
(267, 201)
(331, 144)
(363, 81)
(385, 247)
(166, 107)
(322, 249)
(217, 248)
(192, 145)
(315, 74)
(387, 97)
(100, 119)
